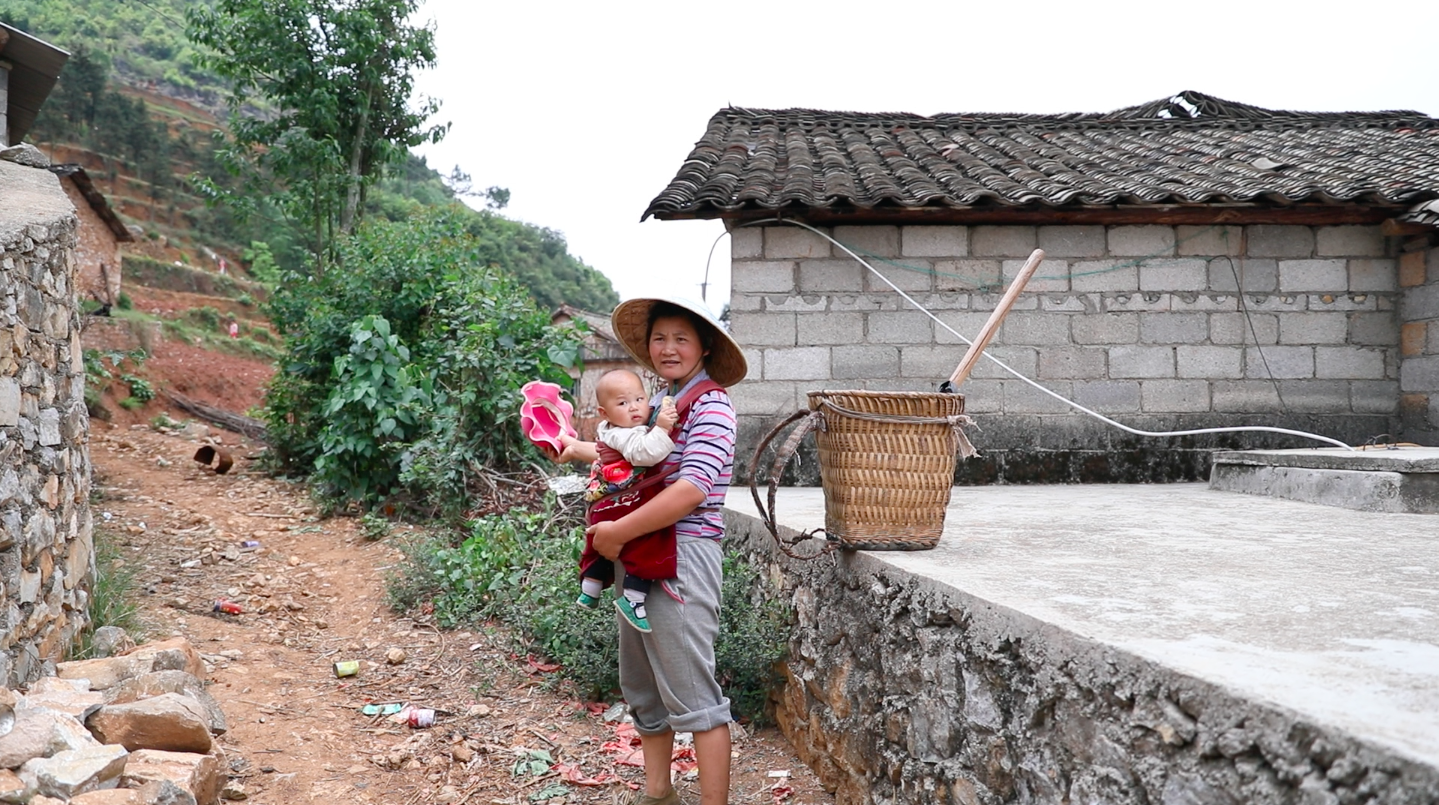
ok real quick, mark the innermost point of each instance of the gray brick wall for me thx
(1146, 321)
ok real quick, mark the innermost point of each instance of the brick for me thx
(9, 400)
(1374, 396)
(1141, 241)
(1412, 269)
(968, 324)
(1209, 240)
(881, 241)
(763, 329)
(1003, 241)
(1209, 362)
(1107, 328)
(1413, 338)
(1280, 240)
(1071, 363)
(934, 241)
(754, 359)
(800, 363)
(812, 303)
(1244, 396)
(1420, 303)
(899, 327)
(1174, 396)
(1236, 328)
(912, 275)
(1173, 328)
(814, 329)
(1349, 363)
(1316, 396)
(1349, 241)
(1052, 276)
(1313, 275)
(1108, 396)
(746, 302)
(1177, 274)
(762, 277)
(770, 398)
(1347, 302)
(982, 397)
(867, 361)
(1141, 362)
(962, 275)
(1097, 276)
(1288, 363)
(1374, 329)
(1380, 274)
(1034, 328)
(1022, 398)
(928, 361)
(746, 242)
(1072, 241)
(1024, 360)
(792, 241)
(1259, 275)
(830, 276)
(1310, 327)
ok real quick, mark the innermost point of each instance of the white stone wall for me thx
(1419, 342)
(1142, 323)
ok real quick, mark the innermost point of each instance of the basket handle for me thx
(807, 420)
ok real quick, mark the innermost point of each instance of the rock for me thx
(158, 682)
(113, 796)
(40, 733)
(75, 772)
(462, 753)
(395, 656)
(175, 654)
(171, 721)
(106, 672)
(234, 791)
(54, 684)
(478, 711)
(110, 640)
(25, 154)
(13, 789)
(47, 801)
(71, 702)
(164, 792)
(198, 775)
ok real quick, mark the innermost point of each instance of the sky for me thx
(586, 110)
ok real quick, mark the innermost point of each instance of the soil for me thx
(313, 594)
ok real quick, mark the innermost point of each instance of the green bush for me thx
(124, 302)
(521, 568)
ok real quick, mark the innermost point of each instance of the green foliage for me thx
(124, 302)
(521, 568)
(374, 527)
(114, 597)
(405, 368)
(140, 388)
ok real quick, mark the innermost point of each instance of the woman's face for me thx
(676, 350)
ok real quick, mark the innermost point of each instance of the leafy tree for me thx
(338, 75)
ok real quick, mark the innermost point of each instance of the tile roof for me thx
(1186, 149)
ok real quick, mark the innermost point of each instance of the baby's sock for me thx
(637, 597)
(591, 587)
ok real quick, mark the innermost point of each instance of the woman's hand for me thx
(607, 538)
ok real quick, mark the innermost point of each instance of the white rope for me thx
(1055, 395)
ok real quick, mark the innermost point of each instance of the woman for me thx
(668, 675)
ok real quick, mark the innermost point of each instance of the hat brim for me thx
(725, 364)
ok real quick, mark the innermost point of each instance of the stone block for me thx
(1373, 275)
(966, 323)
(48, 426)
(1136, 302)
(39, 732)
(1141, 362)
(770, 276)
(1034, 328)
(1174, 396)
(1022, 398)
(1069, 303)
(1346, 302)
(172, 722)
(982, 396)
(848, 302)
(1105, 328)
(1052, 276)
(1349, 241)
(927, 361)
(1280, 240)
(1203, 302)
(1099, 276)
(783, 241)
(9, 402)
(172, 681)
(936, 302)
(1316, 396)
(75, 703)
(14, 789)
(1024, 360)
(1287, 363)
(1108, 396)
(69, 774)
(899, 327)
(1313, 275)
(934, 241)
(1072, 241)
(1310, 327)
(876, 240)
(1141, 241)
(1259, 275)
(963, 275)
(771, 397)
(112, 796)
(199, 774)
(911, 275)
(106, 672)
(1071, 363)
(1275, 303)
(1419, 375)
(746, 243)
(1244, 396)
(1209, 240)
(830, 276)
(1375, 329)
(1374, 396)
(764, 329)
(1349, 363)
(1173, 328)
(1413, 338)
(1412, 270)
(815, 329)
(1209, 362)
(1009, 240)
(801, 363)
(747, 302)
(1420, 303)
(1176, 274)
(865, 361)
(811, 303)
(990, 300)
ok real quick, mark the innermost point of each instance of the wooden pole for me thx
(976, 349)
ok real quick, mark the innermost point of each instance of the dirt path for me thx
(313, 594)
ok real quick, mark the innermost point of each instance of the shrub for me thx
(113, 596)
(124, 302)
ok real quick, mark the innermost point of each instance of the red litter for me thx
(228, 607)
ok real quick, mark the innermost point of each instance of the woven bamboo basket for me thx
(886, 459)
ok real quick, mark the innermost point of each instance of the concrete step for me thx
(1400, 479)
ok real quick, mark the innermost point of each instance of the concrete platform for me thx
(1404, 479)
(1332, 614)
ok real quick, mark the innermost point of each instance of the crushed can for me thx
(347, 668)
(418, 717)
(228, 607)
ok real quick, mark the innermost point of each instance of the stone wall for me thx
(899, 689)
(1141, 323)
(46, 544)
(1419, 342)
(97, 252)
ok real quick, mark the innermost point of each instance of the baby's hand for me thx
(668, 414)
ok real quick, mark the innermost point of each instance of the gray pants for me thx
(668, 675)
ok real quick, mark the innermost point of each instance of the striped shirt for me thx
(704, 451)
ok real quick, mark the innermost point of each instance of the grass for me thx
(114, 597)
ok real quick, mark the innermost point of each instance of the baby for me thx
(627, 443)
